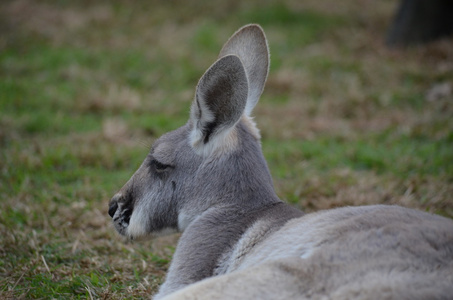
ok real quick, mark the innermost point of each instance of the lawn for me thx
(86, 86)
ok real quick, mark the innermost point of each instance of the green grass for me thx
(86, 87)
(426, 158)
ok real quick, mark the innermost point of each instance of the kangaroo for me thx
(209, 180)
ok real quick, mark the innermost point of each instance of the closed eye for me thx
(158, 166)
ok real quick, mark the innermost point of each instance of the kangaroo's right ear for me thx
(219, 103)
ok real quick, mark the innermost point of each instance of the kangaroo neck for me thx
(211, 238)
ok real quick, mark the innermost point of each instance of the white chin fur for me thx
(137, 226)
(137, 229)
(139, 223)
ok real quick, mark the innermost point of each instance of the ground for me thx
(86, 86)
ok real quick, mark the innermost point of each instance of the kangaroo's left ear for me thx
(219, 103)
(249, 43)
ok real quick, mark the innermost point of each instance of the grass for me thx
(86, 87)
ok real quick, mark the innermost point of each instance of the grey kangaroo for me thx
(209, 180)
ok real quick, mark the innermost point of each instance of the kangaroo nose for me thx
(112, 208)
(113, 205)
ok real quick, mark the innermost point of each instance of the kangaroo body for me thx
(210, 180)
(371, 252)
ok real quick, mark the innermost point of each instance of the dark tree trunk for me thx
(421, 21)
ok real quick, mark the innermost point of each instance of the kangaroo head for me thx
(213, 160)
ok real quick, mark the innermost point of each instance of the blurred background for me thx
(358, 109)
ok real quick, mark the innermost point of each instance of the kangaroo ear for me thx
(250, 44)
(219, 103)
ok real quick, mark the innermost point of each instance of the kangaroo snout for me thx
(121, 211)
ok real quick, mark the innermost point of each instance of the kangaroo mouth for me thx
(121, 217)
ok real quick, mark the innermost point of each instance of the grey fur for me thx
(209, 179)
(372, 252)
